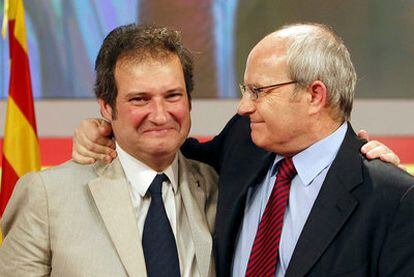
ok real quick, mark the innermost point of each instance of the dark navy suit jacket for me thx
(361, 224)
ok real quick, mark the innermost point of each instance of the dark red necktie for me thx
(264, 256)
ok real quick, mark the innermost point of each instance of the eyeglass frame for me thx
(253, 92)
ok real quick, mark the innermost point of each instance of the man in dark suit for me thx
(346, 216)
(296, 197)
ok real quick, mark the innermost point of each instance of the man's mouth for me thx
(255, 124)
(158, 131)
(255, 121)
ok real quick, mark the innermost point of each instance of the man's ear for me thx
(106, 110)
(318, 97)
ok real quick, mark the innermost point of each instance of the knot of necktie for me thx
(156, 185)
(286, 169)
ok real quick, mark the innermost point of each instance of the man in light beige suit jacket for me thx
(88, 220)
(77, 220)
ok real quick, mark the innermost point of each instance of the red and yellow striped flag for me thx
(20, 145)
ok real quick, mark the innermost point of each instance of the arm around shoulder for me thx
(25, 225)
(210, 152)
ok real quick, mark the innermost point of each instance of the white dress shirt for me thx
(140, 177)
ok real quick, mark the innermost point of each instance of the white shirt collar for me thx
(141, 176)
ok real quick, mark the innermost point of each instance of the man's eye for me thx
(139, 100)
(256, 90)
(174, 96)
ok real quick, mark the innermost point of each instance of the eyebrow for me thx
(132, 94)
(142, 93)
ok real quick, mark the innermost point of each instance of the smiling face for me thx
(152, 117)
(278, 117)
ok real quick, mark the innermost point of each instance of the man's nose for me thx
(159, 114)
(246, 106)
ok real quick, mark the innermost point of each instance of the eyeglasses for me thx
(253, 92)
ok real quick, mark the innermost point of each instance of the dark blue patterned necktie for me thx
(158, 242)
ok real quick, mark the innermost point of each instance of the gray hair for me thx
(320, 54)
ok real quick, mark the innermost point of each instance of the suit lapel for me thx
(237, 186)
(252, 165)
(112, 198)
(332, 208)
(193, 198)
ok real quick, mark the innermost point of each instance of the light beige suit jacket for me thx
(78, 220)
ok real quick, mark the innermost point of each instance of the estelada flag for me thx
(20, 153)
